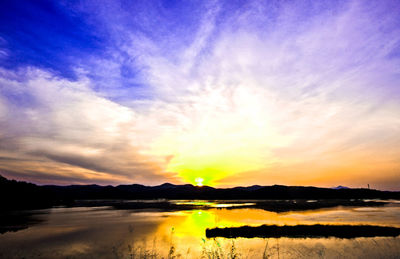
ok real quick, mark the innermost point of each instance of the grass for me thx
(214, 251)
(222, 248)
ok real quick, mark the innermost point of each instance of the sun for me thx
(199, 181)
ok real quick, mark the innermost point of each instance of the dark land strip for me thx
(17, 195)
(304, 231)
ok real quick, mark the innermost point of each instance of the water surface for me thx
(105, 232)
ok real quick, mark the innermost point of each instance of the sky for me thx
(224, 93)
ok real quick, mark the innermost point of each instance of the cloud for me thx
(66, 124)
(316, 92)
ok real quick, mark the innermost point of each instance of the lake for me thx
(106, 232)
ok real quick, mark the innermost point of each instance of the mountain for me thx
(340, 187)
(17, 195)
(22, 195)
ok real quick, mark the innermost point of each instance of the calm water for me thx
(103, 232)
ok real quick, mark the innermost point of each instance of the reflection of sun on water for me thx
(187, 228)
(192, 224)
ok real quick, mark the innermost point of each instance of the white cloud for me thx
(66, 123)
(304, 92)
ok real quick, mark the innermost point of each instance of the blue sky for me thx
(46, 35)
(235, 92)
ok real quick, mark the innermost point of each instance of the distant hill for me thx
(340, 187)
(22, 195)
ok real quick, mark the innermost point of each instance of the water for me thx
(104, 232)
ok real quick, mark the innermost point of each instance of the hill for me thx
(23, 195)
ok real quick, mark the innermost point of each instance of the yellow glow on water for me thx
(211, 204)
(191, 225)
(194, 223)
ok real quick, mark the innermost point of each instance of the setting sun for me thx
(199, 181)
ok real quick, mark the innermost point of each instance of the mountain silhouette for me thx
(23, 195)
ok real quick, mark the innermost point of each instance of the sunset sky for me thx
(232, 92)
